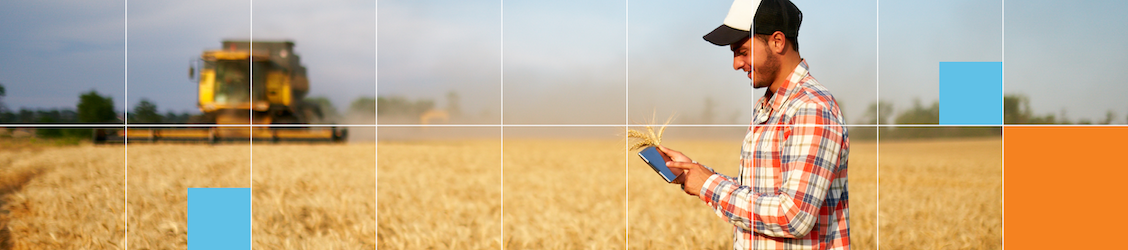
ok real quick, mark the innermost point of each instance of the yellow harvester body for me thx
(259, 83)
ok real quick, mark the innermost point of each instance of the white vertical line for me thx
(126, 210)
(1003, 62)
(376, 151)
(626, 119)
(251, 113)
(501, 134)
(877, 132)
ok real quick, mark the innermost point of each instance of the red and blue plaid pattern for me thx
(792, 192)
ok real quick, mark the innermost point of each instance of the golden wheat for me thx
(944, 194)
(553, 199)
(62, 198)
(459, 194)
(648, 138)
(304, 196)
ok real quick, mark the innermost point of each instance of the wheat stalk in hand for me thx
(647, 138)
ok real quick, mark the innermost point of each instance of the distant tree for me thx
(48, 132)
(1046, 119)
(6, 115)
(402, 107)
(145, 112)
(25, 116)
(363, 105)
(173, 117)
(454, 108)
(1109, 117)
(383, 105)
(1016, 109)
(56, 116)
(328, 111)
(708, 111)
(919, 114)
(878, 113)
(1063, 117)
(3, 109)
(94, 108)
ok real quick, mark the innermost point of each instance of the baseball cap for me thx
(770, 16)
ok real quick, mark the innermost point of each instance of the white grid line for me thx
(626, 121)
(127, 123)
(877, 123)
(200, 126)
(501, 119)
(1003, 144)
(251, 114)
(376, 92)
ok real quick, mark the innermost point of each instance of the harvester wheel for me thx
(99, 136)
(340, 135)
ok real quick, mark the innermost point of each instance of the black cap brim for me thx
(725, 35)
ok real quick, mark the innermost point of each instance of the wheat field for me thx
(305, 196)
(62, 197)
(563, 194)
(579, 194)
(466, 194)
(944, 194)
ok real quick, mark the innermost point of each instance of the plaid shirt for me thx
(791, 193)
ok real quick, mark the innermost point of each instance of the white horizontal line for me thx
(134, 125)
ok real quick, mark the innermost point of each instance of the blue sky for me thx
(51, 51)
(572, 62)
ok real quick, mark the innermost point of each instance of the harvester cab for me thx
(267, 83)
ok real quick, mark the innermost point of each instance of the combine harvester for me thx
(263, 87)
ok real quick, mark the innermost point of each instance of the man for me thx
(792, 190)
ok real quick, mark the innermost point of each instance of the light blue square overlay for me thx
(219, 218)
(971, 93)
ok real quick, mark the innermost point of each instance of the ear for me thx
(777, 42)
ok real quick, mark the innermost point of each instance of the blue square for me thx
(219, 218)
(971, 93)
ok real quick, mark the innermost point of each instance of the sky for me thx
(54, 50)
(567, 62)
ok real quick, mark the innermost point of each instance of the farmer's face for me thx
(765, 62)
(742, 56)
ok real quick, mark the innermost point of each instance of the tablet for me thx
(653, 157)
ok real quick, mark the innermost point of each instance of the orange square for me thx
(1064, 187)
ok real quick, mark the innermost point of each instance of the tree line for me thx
(96, 108)
(1016, 110)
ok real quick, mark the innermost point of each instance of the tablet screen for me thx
(656, 162)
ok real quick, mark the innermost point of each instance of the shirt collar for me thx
(781, 94)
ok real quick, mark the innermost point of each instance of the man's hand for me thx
(693, 176)
(690, 174)
(672, 155)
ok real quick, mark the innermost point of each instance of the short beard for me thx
(764, 75)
